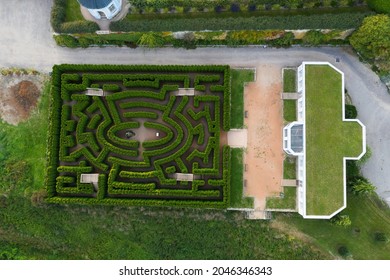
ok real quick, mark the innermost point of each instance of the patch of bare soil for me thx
(19, 95)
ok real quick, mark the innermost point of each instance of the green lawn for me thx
(368, 215)
(328, 140)
(107, 232)
(290, 110)
(23, 150)
(73, 12)
(289, 168)
(289, 80)
(287, 202)
(239, 78)
(236, 183)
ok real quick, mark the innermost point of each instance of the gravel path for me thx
(26, 42)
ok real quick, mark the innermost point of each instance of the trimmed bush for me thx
(343, 251)
(350, 112)
(314, 21)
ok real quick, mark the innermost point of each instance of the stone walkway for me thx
(238, 138)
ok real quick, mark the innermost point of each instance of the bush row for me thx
(147, 190)
(63, 186)
(102, 186)
(111, 134)
(191, 41)
(142, 104)
(226, 163)
(212, 144)
(141, 202)
(57, 20)
(187, 6)
(145, 115)
(316, 21)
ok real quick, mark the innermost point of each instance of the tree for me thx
(362, 187)
(372, 40)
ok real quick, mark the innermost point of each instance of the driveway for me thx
(26, 42)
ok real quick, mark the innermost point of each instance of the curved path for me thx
(26, 42)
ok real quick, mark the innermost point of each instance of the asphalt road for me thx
(26, 42)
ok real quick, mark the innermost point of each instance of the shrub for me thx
(151, 40)
(66, 41)
(350, 112)
(343, 251)
(57, 20)
(361, 187)
(313, 38)
(235, 7)
(341, 220)
(252, 8)
(58, 14)
(381, 237)
(218, 8)
(79, 27)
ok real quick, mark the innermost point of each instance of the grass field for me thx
(289, 110)
(287, 202)
(239, 78)
(236, 183)
(328, 140)
(23, 150)
(289, 168)
(289, 80)
(368, 215)
(73, 12)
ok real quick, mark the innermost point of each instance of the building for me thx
(322, 140)
(102, 9)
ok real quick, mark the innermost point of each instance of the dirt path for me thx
(264, 156)
(19, 95)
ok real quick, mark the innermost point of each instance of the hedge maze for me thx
(139, 135)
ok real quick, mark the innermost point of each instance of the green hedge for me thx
(380, 6)
(315, 21)
(107, 185)
(57, 20)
